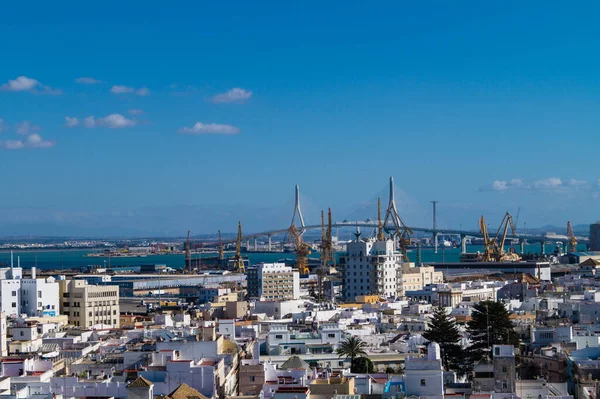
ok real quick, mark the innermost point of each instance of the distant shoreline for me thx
(42, 250)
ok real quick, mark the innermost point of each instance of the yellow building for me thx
(327, 388)
(89, 305)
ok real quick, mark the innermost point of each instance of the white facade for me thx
(424, 376)
(31, 296)
(371, 268)
(273, 282)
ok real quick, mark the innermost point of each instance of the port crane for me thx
(188, 254)
(572, 238)
(327, 251)
(221, 251)
(238, 261)
(301, 248)
(380, 232)
(494, 247)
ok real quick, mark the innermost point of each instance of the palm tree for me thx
(353, 348)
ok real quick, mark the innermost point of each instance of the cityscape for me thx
(276, 200)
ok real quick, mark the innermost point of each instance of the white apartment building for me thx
(90, 305)
(371, 267)
(31, 296)
(273, 282)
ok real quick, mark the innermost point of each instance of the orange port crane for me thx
(238, 261)
(221, 252)
(572, 238)
(494, 247)
(301, 248)
(327, 251)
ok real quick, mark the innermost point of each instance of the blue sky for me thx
(194, 116)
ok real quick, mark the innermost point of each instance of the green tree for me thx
(444, 331)
(362, 365)
(390, 370)
(490, 325)
(353, 348)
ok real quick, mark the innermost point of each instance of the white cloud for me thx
(143, 91)
(112, 121)
(32, 141)
(119, 89)
(26, 127)
(36, 141)
(88, 81)
(499, 185)
(236, 94)
(23, 83)
(549, 183)
(210, 128)
(546, 184)
(577, 183)
(136, 111)
(71, 122)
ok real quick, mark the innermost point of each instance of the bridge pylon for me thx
(403, 232)
(298, 212)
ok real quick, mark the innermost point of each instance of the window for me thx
(39, 294)
(279, 336)
(252, 378)
(40, 304)
(14, 293)
(423, 383)
(504, 385)
(330, 335)
(496, 351)
(14, 304)
(504, 369)
(22, 333)
(115, 322)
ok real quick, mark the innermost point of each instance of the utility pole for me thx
(435, 235)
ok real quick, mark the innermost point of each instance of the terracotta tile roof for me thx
(185, 392)
(140, 382)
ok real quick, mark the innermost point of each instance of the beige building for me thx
(415, 278)
(273, 282)
(89, 305)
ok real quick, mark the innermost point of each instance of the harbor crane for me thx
(572, 238)
(188, 254)
(327, 251)
(221, 251)
(238, 261)
(301, 248)
(494, 247)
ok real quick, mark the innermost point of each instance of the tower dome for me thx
(433, 351)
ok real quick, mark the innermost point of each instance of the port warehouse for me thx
(142, 284)
(540, 270)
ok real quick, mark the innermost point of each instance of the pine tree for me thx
(444, 331)
(490, 325)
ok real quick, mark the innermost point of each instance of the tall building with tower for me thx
(371, 267)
